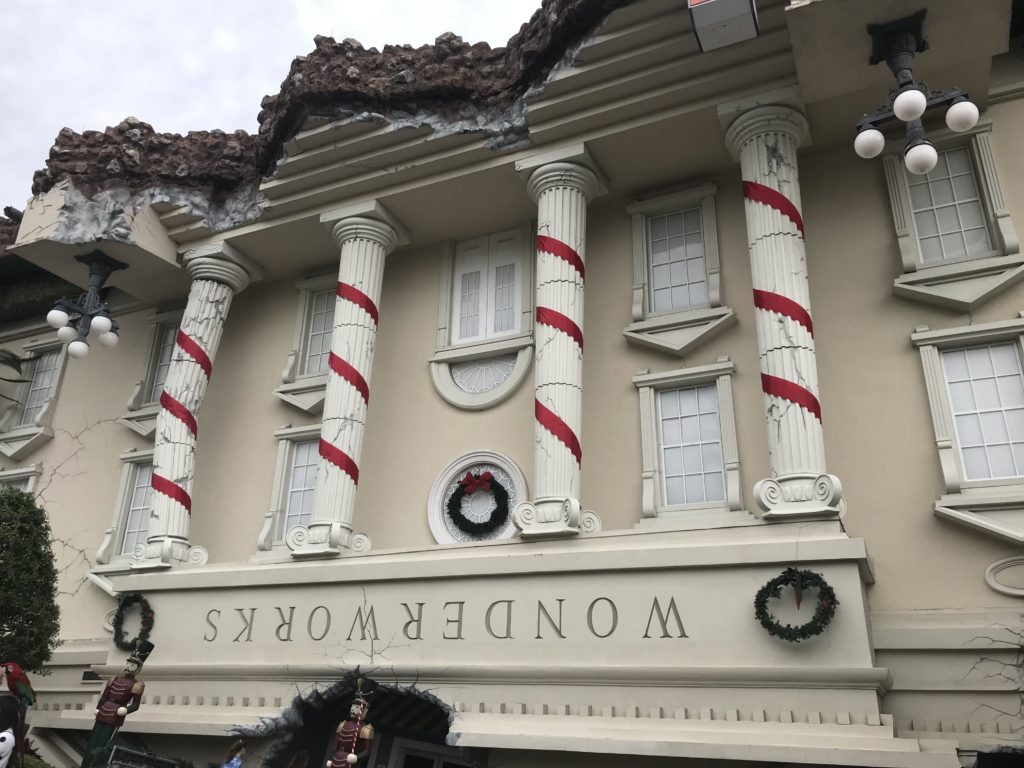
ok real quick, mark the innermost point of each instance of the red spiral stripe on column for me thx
(562, 251)
(350, 374)
(159, 483)
(180, 412)
(172, 490)
(759, 193)
(340, 459)
(560, 322)
(553, 423)
(360, 299)
(787, 390)
(197, 353)
(776, 302)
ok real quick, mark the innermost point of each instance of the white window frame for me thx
(995, 506)
(942, 283)
(661, 330)
(142, 406)
(20, 440)
(648, 385)
(304, 391)
(270, 543)
(30, 474)
(109, 555)
(450, 350)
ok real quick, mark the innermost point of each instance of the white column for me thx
(562, 191)
(365, 244)
(217, 273)
(766, 139)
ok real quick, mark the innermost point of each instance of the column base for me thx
(554, 517)
(167, 552)
(322, 540)
(800, 497)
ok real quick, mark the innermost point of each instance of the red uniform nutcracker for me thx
(353, 739)
(120, 698)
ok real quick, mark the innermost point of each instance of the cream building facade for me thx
(793, 359)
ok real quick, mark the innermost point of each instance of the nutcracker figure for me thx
(353, 739)
(120, 698)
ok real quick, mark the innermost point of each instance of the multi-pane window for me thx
(165, 338)
(321, 326)
(948, 212)
(678, 270)
(41, 386)
(301, 484)
(986, 392)
(20, 483)
(690, 437)
(487, 287)
(137, 515)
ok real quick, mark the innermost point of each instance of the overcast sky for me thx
(186, 64)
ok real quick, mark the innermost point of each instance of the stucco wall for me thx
(878, 432)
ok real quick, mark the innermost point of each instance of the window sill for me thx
(697, 519)
(995, 510)
(306, 393)
(963, 285)
(141, 420)
(444, 383)
(679, 333)
(20, 442)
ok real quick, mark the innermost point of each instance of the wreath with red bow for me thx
(799, 580)
(467, 486)
(146, 615)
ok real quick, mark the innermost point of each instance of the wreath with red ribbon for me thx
(467, 486)
(799, 581)
(147, 617)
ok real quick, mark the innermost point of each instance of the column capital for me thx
(223, 264)
(762, 120)
(367, 219)
(364, 228)
(561, 174)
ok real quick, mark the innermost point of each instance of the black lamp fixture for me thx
(74, 319)
(895, 43)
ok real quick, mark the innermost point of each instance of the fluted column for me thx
(562, 191)
(766, 139)
(365, 244)
(217, 273)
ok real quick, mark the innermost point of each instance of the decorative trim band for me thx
(560, 322)
(776, 302)
(553, 423)
(172, 490)
(344, 369)
(340, 459)
(562, 251)
(197, 353)
(759, 193)
(360, 299)
(180, 412)
(787, 390)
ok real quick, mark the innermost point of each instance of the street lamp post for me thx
(895, 43)
(75, 318)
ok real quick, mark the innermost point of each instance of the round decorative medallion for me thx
(479, 376)
(461, 511)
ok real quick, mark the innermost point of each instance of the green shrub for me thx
(29, 619)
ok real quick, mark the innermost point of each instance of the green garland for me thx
(147, 616)
(800, 581)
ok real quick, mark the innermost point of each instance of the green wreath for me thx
(147, 617)
(469, 485)
(799, 581)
